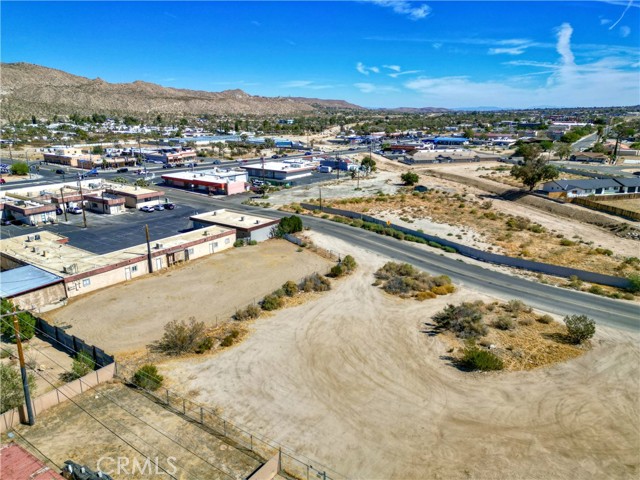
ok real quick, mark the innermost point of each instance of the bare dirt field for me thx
(127, 317)
(86, 433)
(349, 381)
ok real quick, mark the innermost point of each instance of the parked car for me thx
(169, 206)
(2, 181)
(74, 210)
(122, 170)
(147, 209)
(217, 162)
(158, 208)
(167, 165)
(60, 171)
(636, 173)
(58, 211)
(274, 156)
(308, 153)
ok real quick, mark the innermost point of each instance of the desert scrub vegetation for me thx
(406, 281)
(512, 332)
(315, 283)
(181, 337)
(343, 267)
(147, 377)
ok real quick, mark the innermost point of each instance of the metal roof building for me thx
(21, 280)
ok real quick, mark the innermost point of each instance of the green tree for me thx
(409, 178)
(26, 322)
(533, 169)
(19, 168)
(579, 327)
(563, 150)
(11, 393)
(288, 225)
(82, 365)
(97, 150)
(368, 164)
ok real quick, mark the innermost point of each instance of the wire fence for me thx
(292, 464)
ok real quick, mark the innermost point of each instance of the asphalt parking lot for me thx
(106, 233)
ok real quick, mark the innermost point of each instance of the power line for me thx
(161, 432)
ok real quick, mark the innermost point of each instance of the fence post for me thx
(201, 417)
(167, 390)
(184, 408)
(224, 424)
(251, 442)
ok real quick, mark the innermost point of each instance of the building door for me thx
(158, 263)
(127, 273)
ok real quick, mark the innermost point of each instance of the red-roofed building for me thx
(18, 464)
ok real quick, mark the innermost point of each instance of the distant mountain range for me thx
(417, 110)
(28, 89)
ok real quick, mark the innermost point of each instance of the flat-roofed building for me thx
(105, 203)
(83, 272)
(30, 287)
(280, 172)
(27, 211)
(217, 181)
(248, 227)
(134, 196)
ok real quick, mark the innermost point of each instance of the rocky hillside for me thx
(27, 89)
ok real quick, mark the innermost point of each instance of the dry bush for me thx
(425, 296)
(315, 283)
(404, 280)
(504, 323)
(180, 337)
(546, 319)
(465, 320)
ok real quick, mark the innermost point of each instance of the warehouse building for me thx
(218, 181)
(280, 172)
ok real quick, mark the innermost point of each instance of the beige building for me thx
(84, 272)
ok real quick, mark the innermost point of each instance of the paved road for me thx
(584, 143)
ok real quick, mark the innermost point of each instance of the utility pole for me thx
(320, 188)
(64, 206)
(146, 230)
(84, 216)
(23, 370)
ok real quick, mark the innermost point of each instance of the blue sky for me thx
(376, 53)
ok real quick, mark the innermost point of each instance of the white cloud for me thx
(395, 68)
(360, 67)
(608, 81)
(256, 23)
(605, 21)
(507, 51)
(406, 72)
(625, 31)
(411, 10)
(436, 45)
(371, 88)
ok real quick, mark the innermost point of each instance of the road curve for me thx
(614, 313)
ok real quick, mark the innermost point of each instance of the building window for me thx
(134, 268)
(215, 244)
(226, 240)
(86, 282)
(191, 251)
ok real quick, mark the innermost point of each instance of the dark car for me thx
(167, 165)
(217, 162)
(58, 211)
(60, 171)
(169, 206)
(636, 173)
(274, 156)
(308, 153)
(122, 170)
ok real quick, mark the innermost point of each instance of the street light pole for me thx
(23, 370)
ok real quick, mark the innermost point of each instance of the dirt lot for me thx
(129, 316)
(346, 380)
(144, 429)
(631, 204)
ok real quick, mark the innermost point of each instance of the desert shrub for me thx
(315, 283)
(228, 340)
(239, 243)
(596, 290)
(272, 302)
(574, 282)
(546, 319)
(349, 263)
(443, 289)
(449, 249)
(518, 223)
(290, 288)
(475, 358)
(336, 271)
(252, 242)
(81, 366)
(486, 205)
(205, 345)
(634, 283)
(180, 337)
(490, 215)
(409, 178)
(516, 307)
(465, 320)
(251, 312)
(525, 321)
(565, 242)
(11, 393)
(579, 327)
(536, 228)
(148, 378)
(421, 296)
(504, 323)
(26, 322)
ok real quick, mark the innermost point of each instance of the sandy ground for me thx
(129, 316)
(43, 357)
(84, 433)
(347, 380)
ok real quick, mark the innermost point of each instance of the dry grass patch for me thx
(405, 281)
(512, 332)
